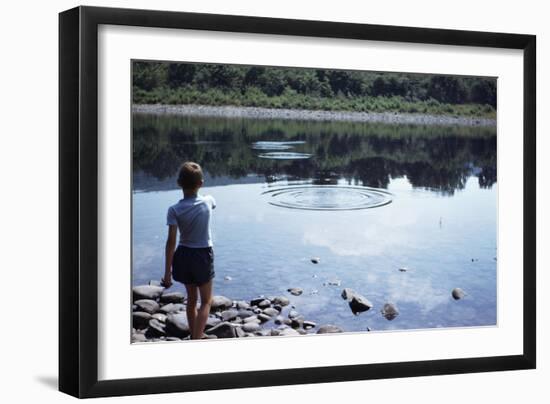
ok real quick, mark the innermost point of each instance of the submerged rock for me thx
(295, 291)
(146, 292)
(359, 304)
(458, 293)
(403, 269)
(347, 294)
(329, 329)
(389, 311)
(227, 278)
(315, 260)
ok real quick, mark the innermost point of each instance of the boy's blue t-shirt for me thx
(192, 216)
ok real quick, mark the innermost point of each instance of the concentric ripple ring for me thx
(328, 197)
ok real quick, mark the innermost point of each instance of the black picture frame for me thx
(78, 200)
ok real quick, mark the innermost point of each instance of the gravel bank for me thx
(309, 115)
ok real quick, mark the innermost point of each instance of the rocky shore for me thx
(158, 315)
(311, 115)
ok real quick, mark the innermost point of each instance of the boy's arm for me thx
(169, 255)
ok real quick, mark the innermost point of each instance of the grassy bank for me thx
(291, 99)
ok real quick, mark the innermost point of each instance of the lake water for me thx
(366, 199)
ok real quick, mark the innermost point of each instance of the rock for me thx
(251, 326)
(237, 320)
(156, 329)
(403, 269)
(309, 325)
(229, 315)
(287, 332)
(271, 312)
(146, 292)
(278, 307)
(254, 302)
(334, 282)
(279, 319)
(264, 304)
(274, 332)
(173, 297)
(242, 305)
(212, 322)
(140, 320)
(220, 303)
(297, 322)
(147, 305)
(223, 330)
(139, 337)
(458, 293)
(172, 308)
(301, 331)
(295, 291)
(176, 325)
(160, 317)
(347, 294)
(253, 318)
(389, 311)
(263, 317)
(315, 260)
(293, 314)
(359, 304)
(281, 301)
(262, 333)
(239, 332)
(227, 278)
(329, 329)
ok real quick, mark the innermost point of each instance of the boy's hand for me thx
(166, 281)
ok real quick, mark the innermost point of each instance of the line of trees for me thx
(319, 83)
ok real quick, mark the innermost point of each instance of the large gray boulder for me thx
(146, 292)
(177, 325)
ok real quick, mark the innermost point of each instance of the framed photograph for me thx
(251, 201)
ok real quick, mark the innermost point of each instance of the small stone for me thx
(251, 326)
(315, 260)
(271, 312)
(227, 278)
(403, 269)
(230, 314)
(147, 305)
(177, 326)
(160, 317)
(172, 297)
(390, 311)
(146, 292)
(334, 282)
(281, 301)
(254, 302)
(359, 304)
(329, 329)
(172, 308)
(264, 304)
(242, 305)
(140, 320)
(220, 303)
(223, 330)
(309, 324)
(263, 317)
(458, 293)
(156, 329)
(295, 291)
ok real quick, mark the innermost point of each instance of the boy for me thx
(192, 263)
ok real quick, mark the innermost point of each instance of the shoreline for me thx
(310, 115)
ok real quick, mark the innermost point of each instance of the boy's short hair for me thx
(190, 175)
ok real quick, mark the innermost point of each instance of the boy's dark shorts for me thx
(193, 265)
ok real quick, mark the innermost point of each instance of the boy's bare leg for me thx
(202, 315)
(191, 306)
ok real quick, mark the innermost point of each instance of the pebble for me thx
(309, 324)
(458, 293)
(295, 291)
(228, 278)
(329, 329)
(389, 311)
(403, 269)
(315, 260)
